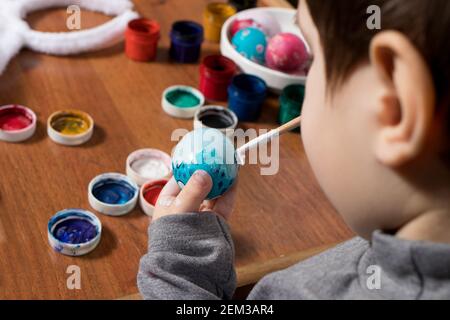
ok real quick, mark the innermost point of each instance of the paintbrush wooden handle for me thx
(269, 135)
(293, 124)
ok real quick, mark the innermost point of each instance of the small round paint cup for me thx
(74, 232)
(70, 127)
(243, 4)
(17, 123)
(216, 117)
(291, 102)
(113, 194)
(182, 101)
(147, 165)
(216, 73)
(149, 194)
(214, 16)
(141, 39)
(186, 41)
(246, 95)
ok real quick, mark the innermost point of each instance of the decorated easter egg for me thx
(209, 150)
(251, 43)
(240, 24)
(286, 52)
(264, 21)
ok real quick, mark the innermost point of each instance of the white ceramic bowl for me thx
(276, 80)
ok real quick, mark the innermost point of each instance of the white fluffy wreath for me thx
(15, 33)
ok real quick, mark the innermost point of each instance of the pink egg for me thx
(286, 52)
(238, 25)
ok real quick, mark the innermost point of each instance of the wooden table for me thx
(278, 219)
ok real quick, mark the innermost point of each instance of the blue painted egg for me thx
(209, 150)
(251, 43)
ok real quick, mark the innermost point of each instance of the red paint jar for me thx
(141, 39)
(149, 195)
(216, 73)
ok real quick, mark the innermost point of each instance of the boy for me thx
(376, 129)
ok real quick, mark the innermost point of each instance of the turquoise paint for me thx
(182, 98)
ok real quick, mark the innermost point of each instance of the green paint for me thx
(182, 98)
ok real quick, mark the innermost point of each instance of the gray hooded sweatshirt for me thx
(191, 257)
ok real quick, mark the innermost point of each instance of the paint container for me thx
(182, 101)
(186, 41)
(74, 232)
(17, 123)
(214, 16)
(113, 194)
(149, 195)
(216, 117)
(70, 127)
(216, 73)
(246, 95)
(291, 102)
(243, 4)
(141, 39)
(148, 165)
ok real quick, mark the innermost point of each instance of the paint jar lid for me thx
(17, 123)
(182, 101)
(74, 232)
(70, 127)
(149, 194)
(217, 117)
(146, 165)
(113, 194)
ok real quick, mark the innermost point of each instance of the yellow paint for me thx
(71, 123)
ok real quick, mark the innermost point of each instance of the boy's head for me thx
(376, 121)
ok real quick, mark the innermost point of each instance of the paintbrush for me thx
(264, 138)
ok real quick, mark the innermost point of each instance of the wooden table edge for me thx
(251, 274)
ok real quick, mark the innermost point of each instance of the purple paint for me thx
(75, 231)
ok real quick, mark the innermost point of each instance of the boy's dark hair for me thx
(345, 37)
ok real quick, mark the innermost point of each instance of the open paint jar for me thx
(186, 41)
(216, 117)
(149, 195)
(182, 101)
(70, 127)
(216, 73)
(246, 95)
(148, 165)
(141, 39)
(17, 123)
(113, 194)
(291, 102)
(214, 16)
(74, 232)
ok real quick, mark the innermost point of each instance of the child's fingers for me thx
(168, 194)
(194, 192)
(170, 189)
(224, 205)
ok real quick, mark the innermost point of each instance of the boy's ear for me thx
(406, 103)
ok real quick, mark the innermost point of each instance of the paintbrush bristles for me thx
(269, 135)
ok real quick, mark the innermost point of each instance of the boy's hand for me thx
(172, 200)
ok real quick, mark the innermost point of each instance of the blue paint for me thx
(114, 192)
(75, 231)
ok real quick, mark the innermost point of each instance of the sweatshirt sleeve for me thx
(190, 257)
